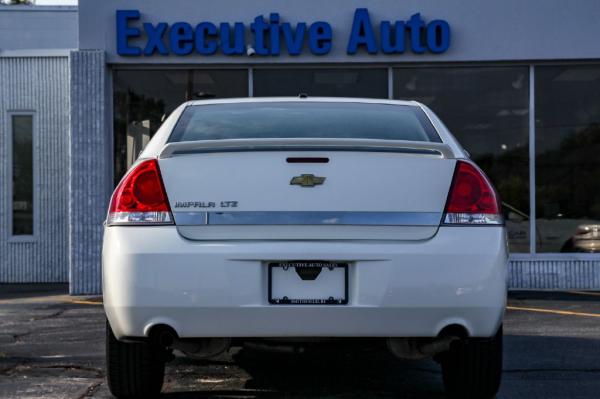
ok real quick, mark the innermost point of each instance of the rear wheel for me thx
(133, 370)
(473, 369)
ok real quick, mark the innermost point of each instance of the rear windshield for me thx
(303, 119)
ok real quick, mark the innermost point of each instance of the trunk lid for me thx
(366, 191)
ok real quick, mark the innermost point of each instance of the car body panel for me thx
(153, 275)
(261, 182)
(410, 278)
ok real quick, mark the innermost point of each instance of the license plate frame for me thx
(313, 265)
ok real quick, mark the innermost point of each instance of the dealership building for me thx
(83, 89)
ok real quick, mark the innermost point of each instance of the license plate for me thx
(308, 283)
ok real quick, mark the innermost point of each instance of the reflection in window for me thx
(22, 175)
(567, 161)
(487, 109)
(144, 98)
(357, 82)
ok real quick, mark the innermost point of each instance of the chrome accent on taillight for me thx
(473, 218)
(139, 218)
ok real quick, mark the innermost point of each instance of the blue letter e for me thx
(124, 32)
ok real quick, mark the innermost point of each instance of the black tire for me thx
(133, 370)
(473, 369)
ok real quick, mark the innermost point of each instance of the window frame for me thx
(23, 238)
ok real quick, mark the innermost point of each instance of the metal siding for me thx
(549, 274)
(40, 85)
(89, 177)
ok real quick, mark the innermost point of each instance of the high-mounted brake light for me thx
(140, 198)
(472, 199)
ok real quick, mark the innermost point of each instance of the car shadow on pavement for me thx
(367, 373)
(535, 366)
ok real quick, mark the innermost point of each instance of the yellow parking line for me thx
(554, 311)
(87, 302)
(584, 293)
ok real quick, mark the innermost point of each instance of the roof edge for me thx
(35, 53)
(34, 8)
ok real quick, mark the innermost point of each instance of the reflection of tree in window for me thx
(507, 170)
(569, 190)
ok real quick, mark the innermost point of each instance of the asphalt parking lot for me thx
(52, 346)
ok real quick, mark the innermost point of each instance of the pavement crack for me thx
(19, 337)
(98, 372)
(91, 390)
(25, 365)
(6, 370)
(50, 316)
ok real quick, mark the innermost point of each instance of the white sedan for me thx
(296, 219)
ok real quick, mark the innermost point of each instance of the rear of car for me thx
(304, 218)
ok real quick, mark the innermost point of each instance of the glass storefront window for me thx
(339, 82)
(487, 109)
(567, 162)
(144, 98)
(22, 175)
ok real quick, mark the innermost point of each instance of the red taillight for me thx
(140, 198)
(472, 198)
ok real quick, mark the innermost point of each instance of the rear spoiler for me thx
(306, 144)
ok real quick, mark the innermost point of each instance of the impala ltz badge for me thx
(307, 180)
(206, 204)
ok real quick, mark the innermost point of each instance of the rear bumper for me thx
(151, 275)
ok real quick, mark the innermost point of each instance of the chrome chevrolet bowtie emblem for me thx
(307, 180)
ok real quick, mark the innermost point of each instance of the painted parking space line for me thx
(584, 293)
(82, 302)
(553, 311)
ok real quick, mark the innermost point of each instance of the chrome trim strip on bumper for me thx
(308, 218)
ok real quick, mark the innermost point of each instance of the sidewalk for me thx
(21, 294)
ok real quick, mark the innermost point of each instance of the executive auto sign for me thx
(272, 36)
